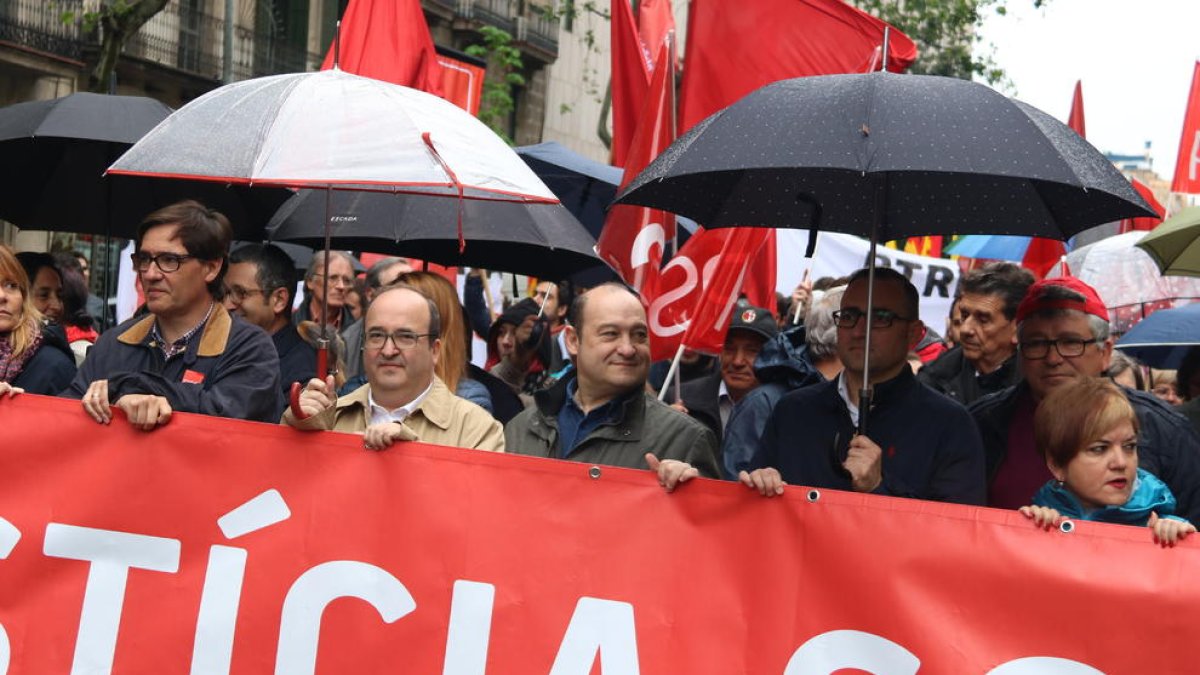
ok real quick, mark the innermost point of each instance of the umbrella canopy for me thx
(333, 129)
(56, 152)
(1126, 278)
(1175, 244)
(890, 155)
(584, 186)
(1162, 339)
(542, 240)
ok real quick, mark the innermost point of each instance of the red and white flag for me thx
(1187, 165)
(388, 40)
(634, 237)
(691, 301)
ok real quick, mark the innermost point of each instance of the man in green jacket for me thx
(600, 413)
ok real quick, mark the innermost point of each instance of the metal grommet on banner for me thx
(1066, 527)
(594, 472)
(814, 495)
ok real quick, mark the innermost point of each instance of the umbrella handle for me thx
(297, 387)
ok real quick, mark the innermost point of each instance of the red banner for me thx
(218, 546)
(1187, 165)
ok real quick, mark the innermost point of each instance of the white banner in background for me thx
(839, 255)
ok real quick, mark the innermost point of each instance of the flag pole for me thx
(671, 373)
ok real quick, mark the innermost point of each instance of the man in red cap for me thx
(1062, 334)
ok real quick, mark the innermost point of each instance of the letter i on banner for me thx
(1187, 166)
(634, 237)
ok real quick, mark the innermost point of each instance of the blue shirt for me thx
(574, 425)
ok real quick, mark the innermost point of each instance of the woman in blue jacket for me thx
(1087, 432)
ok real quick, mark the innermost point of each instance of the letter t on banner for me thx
(634, 237)
(1187, 166)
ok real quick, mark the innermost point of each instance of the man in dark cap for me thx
(711, 399)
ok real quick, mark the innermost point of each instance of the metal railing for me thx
(37, 25)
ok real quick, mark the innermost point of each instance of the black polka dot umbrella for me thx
(886, 156)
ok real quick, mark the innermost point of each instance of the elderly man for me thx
(1063, 333)
(600, 412)
(984, 360)
(341, 281)
(188, 354)
(919, 443)
(711, 399)
(383, 273)
(403, 400)
(802, 355)
(259, 287)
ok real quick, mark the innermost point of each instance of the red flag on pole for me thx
(737, 47)
(1187, 165)
(700, 283)
(1075, 121)
(631, 70)
(634, 237)
(1144, 223)
(655, 20)
(388, 40)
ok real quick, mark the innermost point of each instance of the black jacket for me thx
(1168, 445)
(51, 367)
(954, 376)
(702, 399)
(930, 444)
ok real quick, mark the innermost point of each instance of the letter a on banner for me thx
(1187, 165)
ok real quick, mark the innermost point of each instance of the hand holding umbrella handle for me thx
(297, 387)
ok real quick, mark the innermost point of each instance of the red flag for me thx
(737, 47)
(634, 237)
(655, 21)
(692, 298)
(631, 69)
(1187, 165)
(1144, 223)
(462, 83)
(1075, 121)
(388, 40)
(1042, 254)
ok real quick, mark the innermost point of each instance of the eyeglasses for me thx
(240, 294)
(1067, 347)
(167, 262)
(880, 318)
(337, 279)
(403, 339)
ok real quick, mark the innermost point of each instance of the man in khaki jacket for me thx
(403, 400)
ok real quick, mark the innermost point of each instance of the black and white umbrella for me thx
(886, 156)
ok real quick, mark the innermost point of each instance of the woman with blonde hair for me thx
(451, 366)
(34, 356)
(1087, 432)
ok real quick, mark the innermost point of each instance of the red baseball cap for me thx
(1036, 300)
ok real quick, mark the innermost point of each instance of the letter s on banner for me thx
(662, 302)
(830, 652)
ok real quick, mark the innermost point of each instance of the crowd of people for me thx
(1022, 405)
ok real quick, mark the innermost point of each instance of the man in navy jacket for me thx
(919, 443)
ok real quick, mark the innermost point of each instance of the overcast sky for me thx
(1135, 60)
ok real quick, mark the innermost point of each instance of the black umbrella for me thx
(55, 154)
(886, 156)
(542, 240)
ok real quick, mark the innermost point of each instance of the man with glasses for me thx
(1062, 334)
(403, 400)
(919, 443)
(188, 353)
(259, 287)
(341, 281)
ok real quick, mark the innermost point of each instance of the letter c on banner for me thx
(1044, 665)
(830, 652)
(639, 254)
(300, 625)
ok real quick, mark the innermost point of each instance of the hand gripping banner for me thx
(215, 546)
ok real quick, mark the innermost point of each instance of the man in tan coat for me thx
(403, 400)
